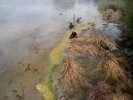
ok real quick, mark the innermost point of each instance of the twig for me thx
(20, 63)
(28, 68)
(74, 20)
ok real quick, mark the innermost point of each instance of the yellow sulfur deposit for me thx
(57, 52)
(45, 88)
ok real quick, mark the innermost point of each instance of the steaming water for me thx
(29, 30)
(31, 25)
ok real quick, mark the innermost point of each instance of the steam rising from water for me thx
(29, 28)
(36, 24)
(32, 28)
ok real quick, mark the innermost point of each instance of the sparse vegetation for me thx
(110, 5)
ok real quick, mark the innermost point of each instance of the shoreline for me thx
(55, 59)
(57, 91)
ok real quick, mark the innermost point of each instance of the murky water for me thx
(29, 30)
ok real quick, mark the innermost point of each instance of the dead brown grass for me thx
(91, 25)
(111, 15)
(113, 69)
(93, 44)
(104, 92)
(73, 75)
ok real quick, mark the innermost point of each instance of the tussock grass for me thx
(112, 11)
(113, 69)
(111, 5)
(93, 44)
(111, 15)
(74, 74)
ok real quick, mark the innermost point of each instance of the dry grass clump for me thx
(74, 50)
(73, 75)
(100, 92)
(102, 64)
(91, 25)
(104, 92)
(113, 69)
(93, 44)
(111, 15)
(110, 5)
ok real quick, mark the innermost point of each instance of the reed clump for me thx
(88, 61)
(73, 75)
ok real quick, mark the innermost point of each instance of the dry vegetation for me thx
(97, 64)
(111, 15)
(73, 75)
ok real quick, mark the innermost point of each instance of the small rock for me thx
(73, 35)
(78, 19)
(71, 25)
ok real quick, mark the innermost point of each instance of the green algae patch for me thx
(56, 58)
(55, 72)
